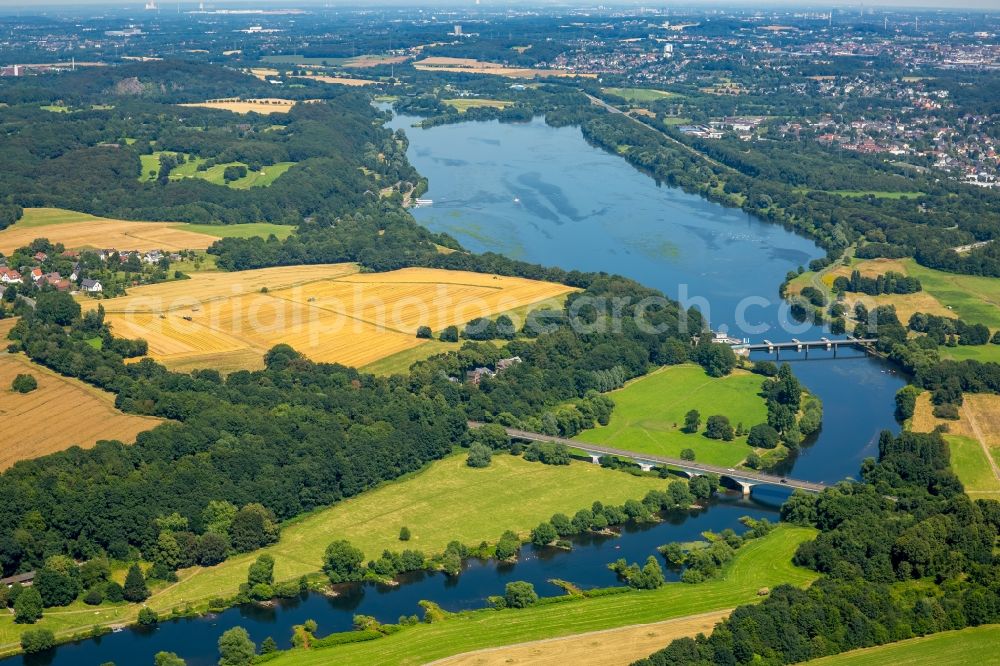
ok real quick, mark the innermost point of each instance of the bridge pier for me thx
(646, 467)
(745, 487)
(595, 459)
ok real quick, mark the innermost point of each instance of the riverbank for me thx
(760, 563)
(446, 501)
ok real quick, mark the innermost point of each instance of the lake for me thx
(545, 195)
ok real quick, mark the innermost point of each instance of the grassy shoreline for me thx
(444, 501)
(761, 563)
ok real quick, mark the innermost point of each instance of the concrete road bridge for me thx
(746, 479)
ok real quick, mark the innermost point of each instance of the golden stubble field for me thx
(60, 413)
(265, 105)
(79, 230)
(906, 304)
(473, 66)
(331, 313)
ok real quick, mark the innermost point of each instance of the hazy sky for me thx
(28, 5)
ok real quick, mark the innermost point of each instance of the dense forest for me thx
(904, 554)
(88, 158)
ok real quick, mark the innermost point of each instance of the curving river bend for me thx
(546, 196)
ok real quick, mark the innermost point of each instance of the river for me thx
(545, 195)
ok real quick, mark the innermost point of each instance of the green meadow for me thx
(638, 94)
(214, 174)
(649, 413)
(969, 462)
(976, 645)
(973, 298)
(261, 229)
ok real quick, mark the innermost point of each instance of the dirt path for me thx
(970, 417)
(610, 647)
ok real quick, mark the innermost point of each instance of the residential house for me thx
(476, 375)
(505, 363)
(91, 286)
(9, 276)
(36, 274)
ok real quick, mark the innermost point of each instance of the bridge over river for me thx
(746, 479)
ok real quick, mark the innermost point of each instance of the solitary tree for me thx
(342, 562)
(261, 571)
(168, 659)
(519, 594)
(236, 648)
(28, 607)
(692, 421)
(37, 640)
(718, 427)
(24, 384)
(479, 455)
(404, 533)
(135, 589)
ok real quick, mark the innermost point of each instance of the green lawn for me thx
(447, 500)
(214, 174)
(949, 648)
(638, 94)
(761, 563)
(972, 467)
(975, 299)
(55, 108)
(262, 229)
(981, 353)
(400, 362)
(649, 413)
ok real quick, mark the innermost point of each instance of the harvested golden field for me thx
(905, 304)
(611, 647)
(265, 105)
(473, 66)
(341, 80)
(60, 413)
(331, 313)
(979, 418)
(366, 61)
(79, 230)
(262, 72)
(413, 297)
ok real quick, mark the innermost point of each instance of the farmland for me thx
(330, 313)
(762, 562)
(79, 230)
(60, 413)
(265, 105)
(638, 94)
(947, 648)
(649, 413)
(464, 104)
(338, 80)
(974, 439)
(473, 66)
(608, 647)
